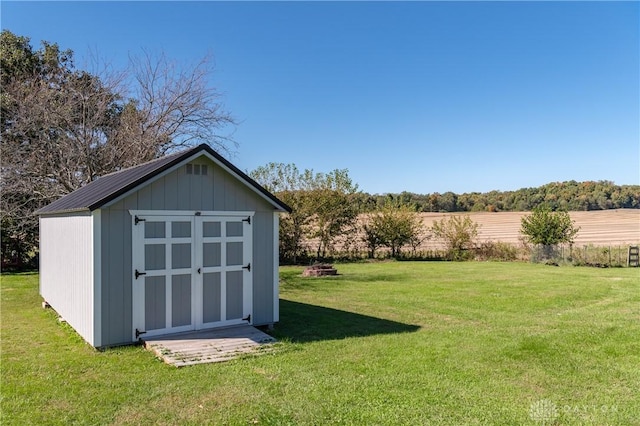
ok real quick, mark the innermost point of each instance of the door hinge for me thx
(248, 267)
(247, 318)
(138, 273)
(137, 220)
(138, 333)
(248, 220)
(199, 270)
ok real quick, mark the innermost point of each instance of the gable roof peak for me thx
(111, 186)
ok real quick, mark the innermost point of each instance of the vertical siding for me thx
(263, 268)
(116, 275)
(217, 191)
(66, 269)
(171, 192)
(217, 182)
(195, 184)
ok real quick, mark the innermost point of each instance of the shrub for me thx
(459, 234)
(496, 250)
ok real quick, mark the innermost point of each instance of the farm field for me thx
(387, 343)
(599, 228)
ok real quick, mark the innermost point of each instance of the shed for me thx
(184, 242)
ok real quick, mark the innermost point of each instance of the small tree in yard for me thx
(458, 233)
(547, 229)
(394, 226)
(371, 237)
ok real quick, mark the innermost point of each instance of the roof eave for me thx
(64, 211)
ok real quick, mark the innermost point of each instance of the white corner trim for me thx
(96, 224)
(40, 275)
(276, 267)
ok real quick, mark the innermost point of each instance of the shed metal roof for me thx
(109, 187)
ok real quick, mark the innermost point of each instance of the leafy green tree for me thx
(325, 205)
(40, 96)
(334, 211)
(293, 225)
(449, 202)
(291, 186)
(459, 234)
(372, 235)
(394, 226)
(548, 228)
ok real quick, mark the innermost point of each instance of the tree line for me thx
(564, 196)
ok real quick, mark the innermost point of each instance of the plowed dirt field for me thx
(600, 228)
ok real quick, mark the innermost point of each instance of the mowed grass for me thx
(383, 343)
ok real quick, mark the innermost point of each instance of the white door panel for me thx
(224, 251)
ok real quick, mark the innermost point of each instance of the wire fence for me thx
(585, 255)
(582, 255)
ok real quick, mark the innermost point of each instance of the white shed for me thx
(184, 242)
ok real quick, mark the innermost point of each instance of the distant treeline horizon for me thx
(567, 196)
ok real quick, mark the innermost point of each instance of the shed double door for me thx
(190, 272)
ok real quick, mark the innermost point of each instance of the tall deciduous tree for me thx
(333, 205)
(286, 181)
(323, 205)
(63, 127)
(176, 106)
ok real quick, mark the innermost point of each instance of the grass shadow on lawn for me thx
(301, 323)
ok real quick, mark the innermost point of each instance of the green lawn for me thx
(383, 343)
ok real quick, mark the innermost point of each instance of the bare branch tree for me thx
(63, 127)
(176, 106)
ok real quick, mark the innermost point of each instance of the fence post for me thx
(571, 252)
(633, 256)
(619, 261)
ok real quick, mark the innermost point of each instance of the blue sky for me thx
(409, 96)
